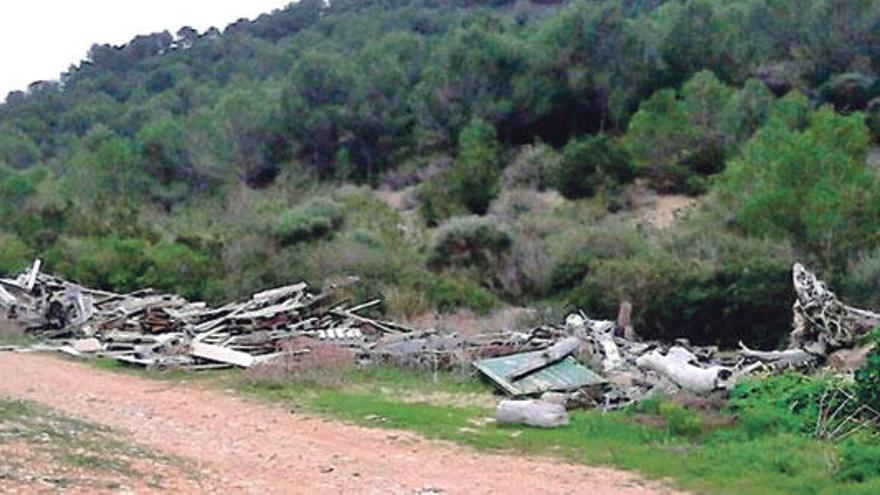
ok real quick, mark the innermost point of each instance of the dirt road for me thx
(238, 446)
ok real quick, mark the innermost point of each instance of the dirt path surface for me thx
(238, 446)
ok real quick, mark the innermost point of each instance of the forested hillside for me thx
(466, 154)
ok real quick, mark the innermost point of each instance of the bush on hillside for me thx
(108, 263)
(469, 242)
(593, 164)
(178, 268)
(677, 134)
(861, 285)
(716, 289)
(475, 176)
(14, 254)
(513, 204)
(314, 219)
(437, 202)
(449, 294)
(535, 166)
(849, 92)
(811, 187)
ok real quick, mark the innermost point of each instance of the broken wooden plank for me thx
(31, 279)
(6, 298)
(222, 355)
(280, 292)
(269, 311)
(373, 323)
(87, 345)
(70, 351)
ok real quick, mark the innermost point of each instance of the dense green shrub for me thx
(784, 403)
(868, 376)
(316, 218)
(675, 135)
(715, 289)
(861, 285)
(449, 294)
(859, 462)
(812, 187)
(109, 263)
(849, 91)
(591, 164)
(178, 268)
(437, 202)
(14, 254)
(469, 242)
(570, 271)
(474, 179)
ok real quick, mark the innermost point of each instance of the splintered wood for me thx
(165, 330)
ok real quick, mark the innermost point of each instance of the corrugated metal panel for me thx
(564, 375)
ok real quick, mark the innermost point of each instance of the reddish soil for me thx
(26, 470)
(239, 446)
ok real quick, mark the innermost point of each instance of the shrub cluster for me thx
(591, 165)
(716, 289)
(470, 243)
(314, 219)
(786, 403)
(868, 376)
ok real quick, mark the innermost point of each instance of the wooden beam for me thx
(222, 355)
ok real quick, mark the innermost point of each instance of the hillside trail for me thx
(235, 445)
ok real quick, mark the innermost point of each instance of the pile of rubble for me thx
(593, 363)
(827, 334)
(162, 330)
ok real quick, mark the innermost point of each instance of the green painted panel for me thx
(564, 375)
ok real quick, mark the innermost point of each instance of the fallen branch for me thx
(790, 357)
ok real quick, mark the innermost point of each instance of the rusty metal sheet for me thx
(565, 375)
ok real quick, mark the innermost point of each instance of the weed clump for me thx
(859, 462)
(305, 362)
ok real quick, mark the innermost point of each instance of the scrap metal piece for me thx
(562, 376)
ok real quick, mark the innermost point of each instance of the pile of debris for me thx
(582, 362)
(827, 333)
(162, 330)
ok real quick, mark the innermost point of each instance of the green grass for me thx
(725, 459)
(712, 460)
